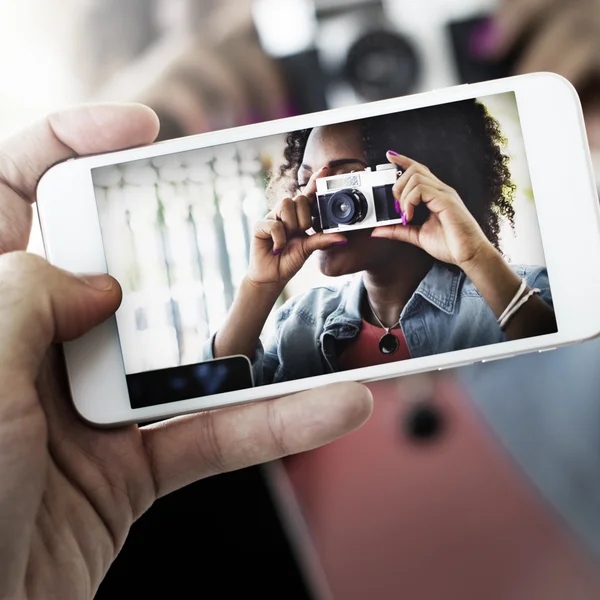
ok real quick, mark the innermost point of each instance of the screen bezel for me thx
(553, 132)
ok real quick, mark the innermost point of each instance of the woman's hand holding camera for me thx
(281, 245)
(450, 234)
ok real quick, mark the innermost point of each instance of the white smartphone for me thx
(245, 279)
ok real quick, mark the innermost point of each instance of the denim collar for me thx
(346, 319)
(440, 287)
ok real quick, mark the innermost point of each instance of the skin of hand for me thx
(562, 36)
(69, 493)
(281, 245)
(450, 234)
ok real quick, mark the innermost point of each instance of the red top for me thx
(363, 350)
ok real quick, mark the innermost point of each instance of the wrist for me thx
(264, 290)
(485, 257)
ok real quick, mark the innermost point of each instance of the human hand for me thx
(69, 493)
(281, 245)
(450, 234)
(562, 36)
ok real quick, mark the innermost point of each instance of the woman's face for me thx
(340, 148)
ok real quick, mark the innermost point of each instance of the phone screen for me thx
(158, 386)
(214, 250)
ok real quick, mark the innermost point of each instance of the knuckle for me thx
(413, 171)
(262, 226)
(17, 175)
(15, 222)
(302, 204)
(286, 203)
(208, 445)
(20, 265)
(277, 430)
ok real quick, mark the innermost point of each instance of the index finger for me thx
(26, 156)
(185, 449)
(406, 163)
(310, 189)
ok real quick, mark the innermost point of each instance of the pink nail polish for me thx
(392, 153)
(340, 243)
(277, 252)
(404, 218)
(397, 207)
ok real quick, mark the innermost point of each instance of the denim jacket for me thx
(445, 313)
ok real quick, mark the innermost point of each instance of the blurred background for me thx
(209, 64)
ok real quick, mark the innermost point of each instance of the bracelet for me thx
(516, 307)
(513, 301)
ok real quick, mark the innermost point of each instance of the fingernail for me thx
(392, 153)
(485, 39)
(404, 218)
(397, 207)
(102, 283)
(340, 243)
(277, 252)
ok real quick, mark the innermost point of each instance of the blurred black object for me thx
(381, 64)
(471, 64)
(305, 80)
(217, 538)
(423, 422)
(228, 374)
(351, 48)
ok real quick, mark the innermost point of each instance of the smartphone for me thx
(237, 254)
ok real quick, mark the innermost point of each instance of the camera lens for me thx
(347, 207)
(382, 64)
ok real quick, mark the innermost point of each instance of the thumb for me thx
(398, 232)
(41, 304)
(321, 241)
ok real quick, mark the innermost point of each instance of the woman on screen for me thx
(433, 282)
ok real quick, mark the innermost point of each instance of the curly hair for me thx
(460, 142)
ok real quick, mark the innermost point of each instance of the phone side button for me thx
(458, 366)
(489, 360)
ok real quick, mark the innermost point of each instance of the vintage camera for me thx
(343, 52)
(358, 200)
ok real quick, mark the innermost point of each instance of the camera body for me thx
(358, 200)
(353, 51)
